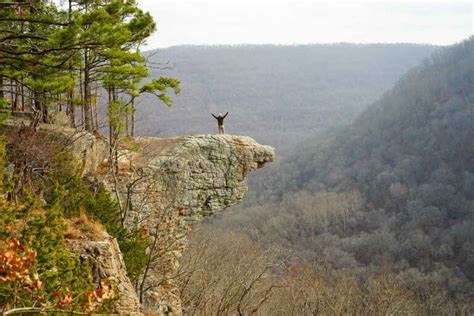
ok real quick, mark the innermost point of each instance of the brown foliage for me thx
(225, 275)
(35, 156)
(16, 263)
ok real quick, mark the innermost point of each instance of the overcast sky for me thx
(309, 21)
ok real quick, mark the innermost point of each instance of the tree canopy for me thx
(58, 57)
(391, 192)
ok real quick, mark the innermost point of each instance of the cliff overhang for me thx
(164, 186)
(167, 185)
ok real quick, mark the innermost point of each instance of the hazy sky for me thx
(309, 21)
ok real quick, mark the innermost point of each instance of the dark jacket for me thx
(220, 119)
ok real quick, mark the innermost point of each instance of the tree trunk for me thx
(14, 96)
(87, 93)
(81, 94)
(96, 109)
(133, 119)
(17, 95)
(45, 112)
(71, 110)
(37, 110)
(112, 143)
(60, 102)
(22, 89)
(115, 135)
(2, 95)
(127, 126)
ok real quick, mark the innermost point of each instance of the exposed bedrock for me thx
(166, 185)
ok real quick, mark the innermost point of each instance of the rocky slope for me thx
(103, 255)
(166, 185)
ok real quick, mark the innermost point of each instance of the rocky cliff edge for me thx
(166, 185)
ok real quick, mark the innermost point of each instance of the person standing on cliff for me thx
(220, 122)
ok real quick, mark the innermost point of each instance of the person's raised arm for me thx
(214, 116)
(226, 114)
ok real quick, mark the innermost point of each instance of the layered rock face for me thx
(106, 261)
(205, 173)
(166, 185)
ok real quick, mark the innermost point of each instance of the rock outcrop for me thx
(169, 184)
(165, 186)
(105, 259)
(205, 173)
(89, 150)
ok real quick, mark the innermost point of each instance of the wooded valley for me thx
(372, 218)
(279, 95)
(367, 210)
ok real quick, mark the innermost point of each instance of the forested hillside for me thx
(277, 94)
(388, 199)
(422, 126)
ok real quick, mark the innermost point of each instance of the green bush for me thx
(64, 194)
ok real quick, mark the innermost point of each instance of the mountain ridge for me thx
(393, 191)
(278, 95)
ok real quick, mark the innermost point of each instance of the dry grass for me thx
(82, 227)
